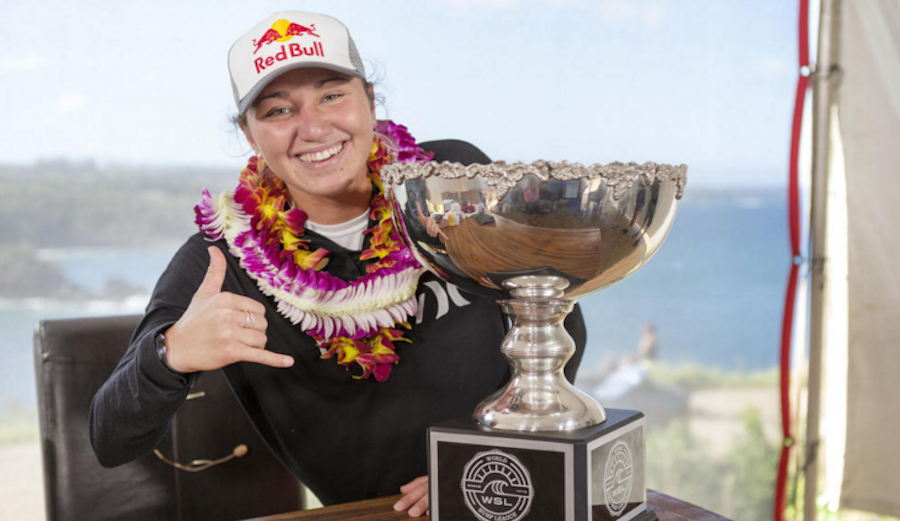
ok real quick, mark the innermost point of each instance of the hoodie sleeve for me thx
(131, 413)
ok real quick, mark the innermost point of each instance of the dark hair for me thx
(240, 120)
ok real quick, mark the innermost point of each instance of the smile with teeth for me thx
(323, 155)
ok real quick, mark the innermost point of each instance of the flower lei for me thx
(355, 321)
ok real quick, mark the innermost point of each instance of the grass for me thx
(18, 423)
(693, 376)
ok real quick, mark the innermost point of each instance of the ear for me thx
(371, 88)
(249, 137)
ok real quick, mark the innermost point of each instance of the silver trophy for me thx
(536, 237)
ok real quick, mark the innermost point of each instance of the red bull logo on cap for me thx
(282, 31)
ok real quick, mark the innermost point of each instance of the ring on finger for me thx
(249, 321)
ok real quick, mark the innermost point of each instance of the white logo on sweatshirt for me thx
(443, 297)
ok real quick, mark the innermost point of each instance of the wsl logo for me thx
(618, 478)
(497, 487)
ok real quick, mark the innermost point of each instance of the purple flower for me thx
(400, 143)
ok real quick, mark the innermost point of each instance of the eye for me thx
(334, 96)
(277, 111)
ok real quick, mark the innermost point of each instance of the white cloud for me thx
(25, 63)
(653, 15)
(647, 13)
(70, 102)
(480, 3)
(772, 67)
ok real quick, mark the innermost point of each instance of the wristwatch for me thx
(161, 349)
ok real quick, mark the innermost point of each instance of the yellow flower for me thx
(348, 354)
(311, 259)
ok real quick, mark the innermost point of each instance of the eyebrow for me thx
(340, 79)
(283, 93)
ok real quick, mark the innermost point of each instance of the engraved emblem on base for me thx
(618, 478)
(536, 237)
(497, 487)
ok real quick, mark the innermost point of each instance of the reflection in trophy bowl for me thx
(480, 225)
(547, 233)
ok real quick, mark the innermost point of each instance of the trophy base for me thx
(590, 474)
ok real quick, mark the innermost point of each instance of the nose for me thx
(313, 126)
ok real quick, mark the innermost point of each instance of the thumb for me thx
(215, 275)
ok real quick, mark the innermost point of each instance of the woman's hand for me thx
(415, 497)
(219, 328)
(431, 227)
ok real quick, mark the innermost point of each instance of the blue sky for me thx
(708, 83)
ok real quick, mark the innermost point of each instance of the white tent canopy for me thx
(868, 100)
(866, 94)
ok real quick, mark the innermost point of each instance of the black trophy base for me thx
(591, 474)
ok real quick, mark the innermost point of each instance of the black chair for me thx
(455, 150)
(72, 360)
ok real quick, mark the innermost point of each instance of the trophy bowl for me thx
(536, 237)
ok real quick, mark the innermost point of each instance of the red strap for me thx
(791, 292)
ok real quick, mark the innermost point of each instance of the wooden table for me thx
(381, 509)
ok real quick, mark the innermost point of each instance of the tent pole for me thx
(826, 64)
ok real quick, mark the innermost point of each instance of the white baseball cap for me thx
(286, 41)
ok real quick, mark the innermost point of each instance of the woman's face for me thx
(314, 128)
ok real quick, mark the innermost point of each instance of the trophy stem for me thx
(538, 397)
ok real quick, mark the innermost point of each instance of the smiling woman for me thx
(341, 348)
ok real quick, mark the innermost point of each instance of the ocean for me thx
(713, 293)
